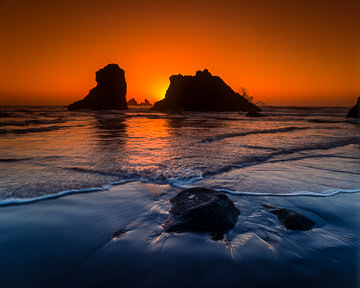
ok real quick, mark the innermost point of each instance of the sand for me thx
(68, 242)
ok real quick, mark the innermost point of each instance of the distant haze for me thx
(283, 52)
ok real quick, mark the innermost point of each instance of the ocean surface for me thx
(49, 150)
(83, 196)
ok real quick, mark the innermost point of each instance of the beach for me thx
(68, 242)
(86, 207)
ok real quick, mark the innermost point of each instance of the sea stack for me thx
(202, 92)
(354, 112)
(132, 102)
(109, 93)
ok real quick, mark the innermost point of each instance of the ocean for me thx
(48, 150)
(69, 179)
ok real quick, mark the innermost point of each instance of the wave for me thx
(265, 131)
(23, 201)
(325, 121)
(260, 147)
(5, 114)
(91, 171)
(275, 156)
(51, 157)
(327, 193)
(32, 130)
(32, 122)
(259, 159)
(145, 175)
(15, 159)
(230, 119)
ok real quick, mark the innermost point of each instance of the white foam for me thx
(184, 184)
(22, 201)
(327, 193)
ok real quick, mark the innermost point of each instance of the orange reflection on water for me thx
(147, 139)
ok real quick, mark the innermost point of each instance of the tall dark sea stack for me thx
(202, 92)
(354, 112)
(109, 93)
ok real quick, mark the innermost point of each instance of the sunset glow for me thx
(282, 52)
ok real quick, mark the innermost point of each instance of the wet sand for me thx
(70, 242)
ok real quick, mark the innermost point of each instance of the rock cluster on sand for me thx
(354, 112)
(201, 209)
(202, 92)
(293, 220)
(109, 93)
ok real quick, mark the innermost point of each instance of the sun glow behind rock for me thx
(282, 52)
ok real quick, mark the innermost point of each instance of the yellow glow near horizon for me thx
(283, 52)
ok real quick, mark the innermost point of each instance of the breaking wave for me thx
(259, 159)
(23, 201)
(32, 122)
(32, 130)
(327, 193)
(266, 131)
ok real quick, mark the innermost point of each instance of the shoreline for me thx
(68, 241)
(26, 201)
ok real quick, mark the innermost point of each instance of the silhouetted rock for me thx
(354, 112)
(254, 113)
(146, 103)
(201, 209)
(202, 92)
(109, 93)
(132, 102)
(293, 220)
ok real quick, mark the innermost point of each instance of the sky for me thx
(284, 52)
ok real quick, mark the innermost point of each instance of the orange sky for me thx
(284, 52)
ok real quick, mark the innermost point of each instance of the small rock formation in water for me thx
(354, 112)
(202, 92)
(146, 103)
(293, 220)
(109, 93)
(254, 114)
(132, 102)
(201, 209)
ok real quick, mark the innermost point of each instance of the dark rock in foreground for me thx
(254, 114)
(354, 112)
(202, 92)
(109, 93)
(293, 220)
(201, 209)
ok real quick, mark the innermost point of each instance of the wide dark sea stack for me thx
(202, 92)
(109, 93)
(354, 112)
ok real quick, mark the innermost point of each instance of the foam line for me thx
(327, 193)
(23, 201)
